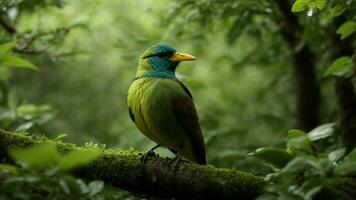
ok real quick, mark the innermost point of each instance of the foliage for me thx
(13, 116)
(9, 60)
(301, 5)
(341, 67)
(46, 155)
(41, 176)
(64, 71)
(303, 175)
(347, 29)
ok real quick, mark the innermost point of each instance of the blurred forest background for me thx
(65, 68)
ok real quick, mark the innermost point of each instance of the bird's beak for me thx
(182, 57)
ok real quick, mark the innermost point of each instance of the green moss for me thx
(122, 168)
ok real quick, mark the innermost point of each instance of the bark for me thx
(345, 90)
(307, 89)
(156, 178)
(347, 111)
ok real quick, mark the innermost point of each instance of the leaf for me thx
(95, 187)
(60, 136)
(341, 67)
(298, 143)
(346, 29)
(30, 111)
(70, 185)
(311, 187)
(78, 158)
(346, 168)
(15, 61)
(337, 10)
(300, 5)
(7, 47)
(300, 164)
(335, 155)
(321, 132)
(351, 156)
(276, 157)
(41, 155)
(317, 4)
(8, 168)
(24, 127)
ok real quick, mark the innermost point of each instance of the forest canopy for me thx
(274, 86)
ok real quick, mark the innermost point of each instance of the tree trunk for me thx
(307, 89)
(347, 111)
(345, 90)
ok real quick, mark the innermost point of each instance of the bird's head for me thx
(161, 61)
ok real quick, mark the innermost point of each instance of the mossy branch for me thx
(156, 178)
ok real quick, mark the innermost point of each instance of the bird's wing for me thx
(184, 110)
(131, 115)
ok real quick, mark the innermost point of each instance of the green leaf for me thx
(346, 168)
(317, 4)
(351, 156)
(8, 168)
(337, 10)
(334, 156)
(298, 143)
(78, 158)
(95, 187)
(346, 29)
(300, 5)
(301, 164)
(321, 132)
(25, 127)
(276, 157)
(7, 47)
(341, 67)
(41, 155)
(60, 136)
(15, 61)
(70, 185)
(311, 187)
(30, 111)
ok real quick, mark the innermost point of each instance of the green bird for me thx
(162, 107)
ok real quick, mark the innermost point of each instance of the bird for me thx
(162, 107)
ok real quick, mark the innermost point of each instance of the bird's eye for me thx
(161, 55)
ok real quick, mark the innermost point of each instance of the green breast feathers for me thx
(162, 107)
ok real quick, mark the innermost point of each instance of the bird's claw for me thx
(146, 155)
(149, 153)
(176, 160)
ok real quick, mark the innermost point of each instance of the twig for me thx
(7, 26)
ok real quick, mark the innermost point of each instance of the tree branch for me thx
(7, 26)
(24, 47)
(156, 178)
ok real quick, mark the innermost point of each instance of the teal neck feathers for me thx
(160, 74)
(156, 63)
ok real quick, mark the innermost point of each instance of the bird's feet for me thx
(175, 161)
(150, 152)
